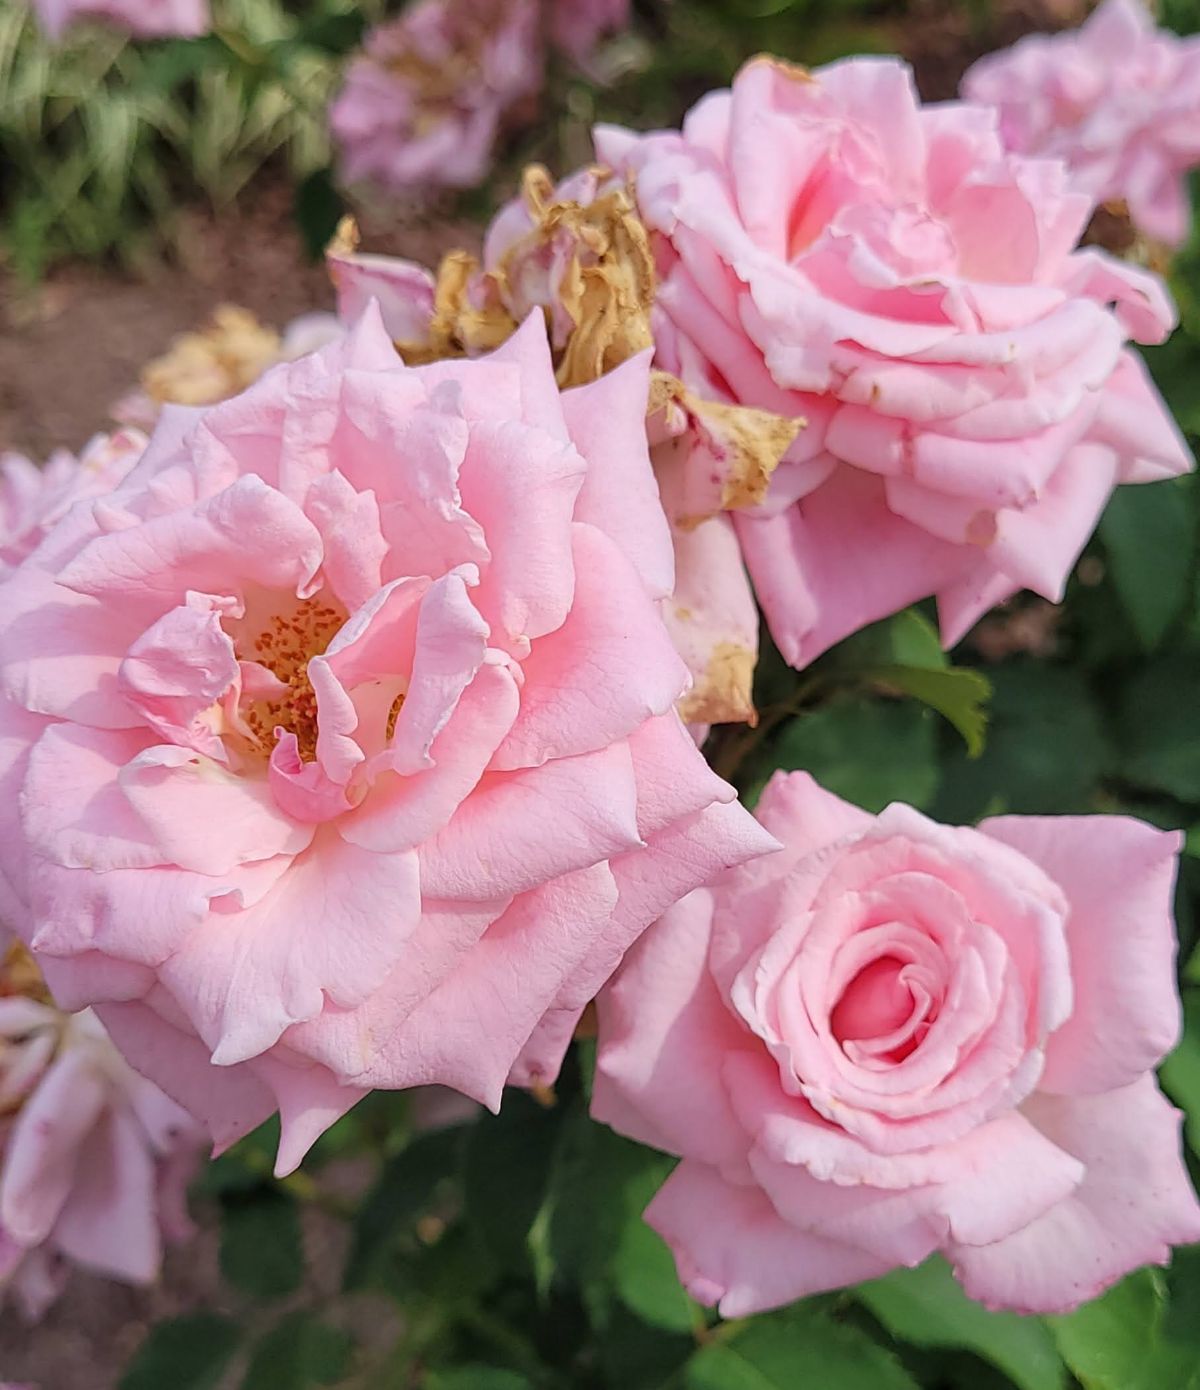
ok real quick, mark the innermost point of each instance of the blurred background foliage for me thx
(507, 1253)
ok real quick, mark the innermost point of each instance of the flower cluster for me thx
(349, 723)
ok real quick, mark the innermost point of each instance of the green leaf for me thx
(187, 1353)
(904, 639)
(957, 693)
(261, 1250)
(600, 1186)
(507, 1174)
(298, 1353)
(1180, 1073)
(1117, 1342)
(1046, 748)
(476, 1378)
(245, 1167)
(927, 1307)
(1160, 731)
(801, 1347)
(635, 1356)
(1149, 534)
(646, 1281)
(318, 209)
(404, 1189)
(869, 751)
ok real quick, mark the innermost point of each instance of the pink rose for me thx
(144, 19)
(830, 249)
(424, 103)
(33, 499)
(896, 1037)
(1118, 101)
(94, 1159)
(337, 744)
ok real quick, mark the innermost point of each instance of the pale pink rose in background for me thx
(577, 26)
(424, 102)
(338, 743)
(896, 1037)
(144, 19)
(33, 499)
(1117, 100)
(94, 1159)
(828, 247)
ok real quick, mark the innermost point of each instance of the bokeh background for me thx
(144, 184)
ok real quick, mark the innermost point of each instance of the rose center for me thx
(875, 1003)
(283, 646)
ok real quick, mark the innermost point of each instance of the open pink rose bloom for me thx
(829, 248)
(338, 739)
(896, 1037)
(1117, 100)
(94, 1159)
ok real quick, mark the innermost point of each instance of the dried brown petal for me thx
(214, 362)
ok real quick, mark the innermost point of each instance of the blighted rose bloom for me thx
(1118, 101)
(337, 745)
(219, 360)
(33, 499)
(144, 19)
(829, 247)
(579, 254)
(94, 1159)
(424, 102)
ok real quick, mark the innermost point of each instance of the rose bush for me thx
(94, 1159)
(828, 248)
(896, 1037)
(1117, 100)
(338, 742)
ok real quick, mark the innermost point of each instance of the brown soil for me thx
(75, 343)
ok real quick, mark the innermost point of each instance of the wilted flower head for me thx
(217, 361)
(94, 1159)
(1117, 100)
(425, 100)
(32, 499)
(580, 254)
(829, 248)
(146, 19)
(340, 742)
